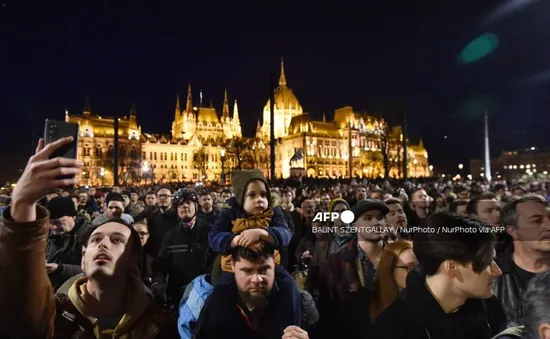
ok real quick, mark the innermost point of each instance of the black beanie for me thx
(241, 178)
(61, 207)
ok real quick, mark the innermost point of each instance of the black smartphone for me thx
(55, 130)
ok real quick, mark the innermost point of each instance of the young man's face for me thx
(489, 211)
(287, 197)
(151, 200)
(107, 253)
(396, 216)
(143, 232)
(339, 208)
(115, 209)
(369, 223)
(205, 202)
(477, 285)
(225, 196)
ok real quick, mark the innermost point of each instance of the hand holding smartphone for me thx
(55, 130)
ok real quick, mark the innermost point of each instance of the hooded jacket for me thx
(34, 311)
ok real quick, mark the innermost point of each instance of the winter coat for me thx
(36, 312)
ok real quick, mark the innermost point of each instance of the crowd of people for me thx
(420, 259)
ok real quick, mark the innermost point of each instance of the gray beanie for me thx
(241, 178)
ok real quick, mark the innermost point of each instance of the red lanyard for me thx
(245, 317)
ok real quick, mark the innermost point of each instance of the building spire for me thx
(235, 112)
(133, 109)
(189, 107)
(282, 78)
(324, 117)
(211, 102)
(200, 98)
(87, 106)
(225, 111)
(178, 107)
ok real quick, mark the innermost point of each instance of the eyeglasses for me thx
(142, 234)
(407, 267)
(163, 195)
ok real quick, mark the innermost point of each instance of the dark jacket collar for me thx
(428, 311)
(505, 261)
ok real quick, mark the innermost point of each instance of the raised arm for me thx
(26, 296)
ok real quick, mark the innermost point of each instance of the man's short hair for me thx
(114, 197)
(456, 203)
(150, 193)
(226, 191)
(472, 204)
(509, 214)
(164, 188)
(499, 187)
(393, 201)
(239, 253)
(461, 245)
(537, 304)
(204, 192)
(134, 239)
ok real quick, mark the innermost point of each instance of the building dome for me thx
(284, 98)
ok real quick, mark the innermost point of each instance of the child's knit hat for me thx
(241, 178)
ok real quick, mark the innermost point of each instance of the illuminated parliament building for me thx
(205, 144)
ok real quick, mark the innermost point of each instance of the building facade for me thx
(324, 146)
(517, 164)
(193, 151)
(205, 144)
(96, 146)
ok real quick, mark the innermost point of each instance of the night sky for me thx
(383, 58)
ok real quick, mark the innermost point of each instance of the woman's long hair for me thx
(385, 287)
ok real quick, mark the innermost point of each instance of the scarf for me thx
(139, 302)
(241, 224)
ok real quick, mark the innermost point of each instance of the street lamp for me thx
(145, 169)
(102, 174)
(460, 166)
(222, 153)
(431, 168)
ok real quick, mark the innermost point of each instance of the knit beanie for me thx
(336, 201)
(241, 178)
(61, 207)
